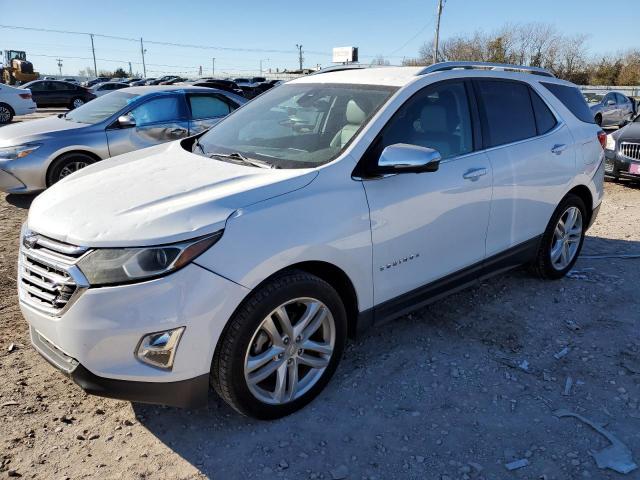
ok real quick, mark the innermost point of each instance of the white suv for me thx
(243, 258)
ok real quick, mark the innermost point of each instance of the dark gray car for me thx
(615, 109)
(38, 153)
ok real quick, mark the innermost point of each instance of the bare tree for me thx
(380, 60)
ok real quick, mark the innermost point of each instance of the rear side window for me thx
(572, 99)
(507, 114)
(545, 120)
(162, 109)
(205, 106)
(621, 99)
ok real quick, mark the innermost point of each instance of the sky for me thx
(267, 32)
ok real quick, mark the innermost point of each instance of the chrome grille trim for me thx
(48, 278)
(630, 150)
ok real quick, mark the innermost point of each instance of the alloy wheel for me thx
(70, 168)
(289, 351)
(566, 238)
(78, 102)
(5, 114)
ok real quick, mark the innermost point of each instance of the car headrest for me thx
(433, 119)
(355, 114)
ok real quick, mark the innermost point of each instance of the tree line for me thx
(537, 45)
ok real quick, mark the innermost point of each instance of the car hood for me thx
(35, 130)
(158, 195)
(629, 133)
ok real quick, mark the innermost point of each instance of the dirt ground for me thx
(457, 390)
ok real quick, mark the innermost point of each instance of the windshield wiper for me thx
(246, 160)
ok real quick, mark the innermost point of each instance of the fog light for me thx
(159, 349)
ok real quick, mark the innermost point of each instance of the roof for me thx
(392, 76)
(144, 89)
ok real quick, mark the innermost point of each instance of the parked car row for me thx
(612, 109)
(38, 153)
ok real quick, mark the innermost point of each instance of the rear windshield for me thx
(572, 99)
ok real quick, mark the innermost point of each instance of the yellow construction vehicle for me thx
(16, 68)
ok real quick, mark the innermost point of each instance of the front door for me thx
(425, 226)
(160, 119)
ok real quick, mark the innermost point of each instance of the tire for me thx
(246, 337)
(544, 265)
(76, 102)
(66, 165)
(6, 113)
(598, 119)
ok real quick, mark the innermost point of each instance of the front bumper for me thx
(97, 336)
(25, 175)
(617, 165)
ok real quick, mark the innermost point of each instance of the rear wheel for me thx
(562, 241)
(281, 347)
(66, 165)
(6, 113)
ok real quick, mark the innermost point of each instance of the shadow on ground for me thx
(21, 201)
(444, 391)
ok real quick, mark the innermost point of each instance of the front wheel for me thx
(66, 165)
(6, 114)
(281, 347)
(562, 240)
(76, 103)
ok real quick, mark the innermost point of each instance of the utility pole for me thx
(213, 66)
(143, 51)
(59, 65)
(299, 47)
(130, 71)
(437, 37)
(93, 50)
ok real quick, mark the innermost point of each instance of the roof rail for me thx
(441, 66)
(339, 68)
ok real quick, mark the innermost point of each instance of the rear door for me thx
(626, 108)
(532, 156)
(161, 118)
(42, 93)
(206, 110)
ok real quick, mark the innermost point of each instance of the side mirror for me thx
(405, 158)
(610, 102)
(126, 121)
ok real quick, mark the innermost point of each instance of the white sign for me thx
(345, 54)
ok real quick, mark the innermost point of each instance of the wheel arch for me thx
(58, 157)
(585, 195)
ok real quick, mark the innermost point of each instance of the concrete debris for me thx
(567, 387)
(616, 456)
(516, 464)
(561, 353)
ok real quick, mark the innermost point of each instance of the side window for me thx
(609, 98)
(506, 111)
(59, 86)
(37, 87)
(162, 109)
(545, 120)
(621, 99)
(207, 106)
(572, 99)
(437, 117)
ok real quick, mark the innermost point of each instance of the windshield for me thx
(101, 108)
(296, 125)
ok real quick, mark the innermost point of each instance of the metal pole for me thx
(299, 47)
(93, 50)
(144, 67)
(213, 66)
(59, 65)
(437, 37)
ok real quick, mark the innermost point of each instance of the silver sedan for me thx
(38, 153)
(615, 109)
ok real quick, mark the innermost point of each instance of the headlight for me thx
(611, 143)
(13, 153)
(111, 266)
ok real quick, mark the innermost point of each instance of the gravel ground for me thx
(457, 390)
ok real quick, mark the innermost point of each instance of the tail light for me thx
(26, 96)
(602, 138)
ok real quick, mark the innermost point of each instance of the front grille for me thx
(630, 150)
(49, 280)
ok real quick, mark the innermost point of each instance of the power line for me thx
(412, 38)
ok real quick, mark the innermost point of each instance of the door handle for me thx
(558, 148)
(474, 173)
